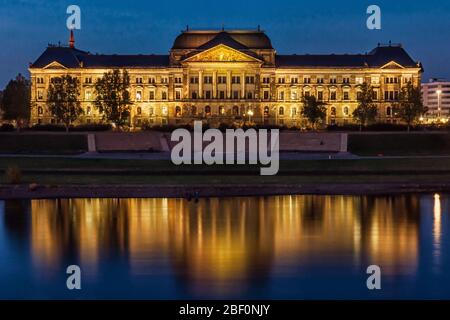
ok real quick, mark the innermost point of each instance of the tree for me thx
(112, 96)
(367, 110)
(313, 110)
(15, 102)
(63, 99)
(410, 106)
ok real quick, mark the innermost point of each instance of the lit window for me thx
(177, 111)
(164, 110)
(294, 95)
(346, 111)
(346, 95)
(138, 95)
(333, 111)
(178, 95)
(320, 95)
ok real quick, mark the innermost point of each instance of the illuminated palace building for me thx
(227, 76)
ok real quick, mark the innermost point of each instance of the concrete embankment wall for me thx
(161, 142)
(56, 142)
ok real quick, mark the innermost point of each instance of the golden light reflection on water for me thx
(437, 212)
(221, 245)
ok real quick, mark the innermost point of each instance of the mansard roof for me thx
(376, 58)
(74, 58)
(193, 39)
(223, 38)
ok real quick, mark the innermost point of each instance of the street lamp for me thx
(439, 102)
(250, 114)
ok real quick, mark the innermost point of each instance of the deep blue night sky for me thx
(139, 26)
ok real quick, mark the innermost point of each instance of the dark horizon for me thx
(28, 26)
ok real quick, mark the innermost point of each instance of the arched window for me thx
(236, 110)
(266, 111)
(40, 111)
(294, 111)
(389, 111)
(88, 111)
(177, 111)
(333, 111)
(193, 110)
(208, 110)
(139, 111)
(281, 111)
(346, 111)
(221, 110)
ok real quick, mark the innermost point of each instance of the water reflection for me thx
(222, 246)
(437, 230)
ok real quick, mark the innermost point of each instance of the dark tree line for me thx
(15, 101)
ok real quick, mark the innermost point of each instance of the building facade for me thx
(436, 96)
(229, 76)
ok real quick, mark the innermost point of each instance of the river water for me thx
(281, 247)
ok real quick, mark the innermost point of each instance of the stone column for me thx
(214, 84)
(200, 84)
(187, 93)
(228, 84)
(243, 85)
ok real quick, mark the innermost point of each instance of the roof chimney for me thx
(72, 40)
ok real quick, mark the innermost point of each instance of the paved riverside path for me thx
(166, 156)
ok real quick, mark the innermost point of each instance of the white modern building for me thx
(436, 96)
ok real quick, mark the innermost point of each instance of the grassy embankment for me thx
(400, 144)
(88, 171)
(102, 171)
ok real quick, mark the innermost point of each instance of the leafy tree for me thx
(112, 96)
(63, 99)
(367, 110)
(313, 110)
(410, 106)
(15, 102)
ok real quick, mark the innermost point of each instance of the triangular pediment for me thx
(392, 65)
(55, 65)
(221, 53)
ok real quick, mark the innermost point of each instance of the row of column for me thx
(214, 84)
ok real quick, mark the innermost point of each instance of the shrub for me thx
(92, 127)
(47, 127)
(13, 174)
(7, 127)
